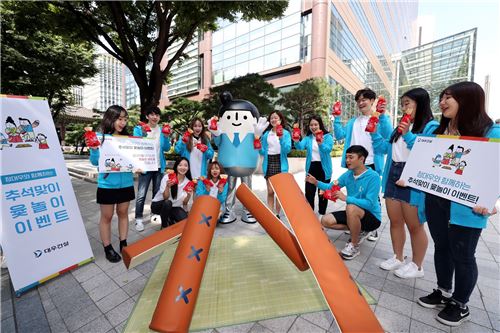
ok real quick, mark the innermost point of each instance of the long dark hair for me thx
(471, 117)
(319, 120)
(108, 120)
(203, 135)
(174, 188)
(282, 119)
(423, 113)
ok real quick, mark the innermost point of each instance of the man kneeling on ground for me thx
(363, 212)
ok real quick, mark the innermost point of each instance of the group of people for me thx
(374, 162)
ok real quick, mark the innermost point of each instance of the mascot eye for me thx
(245, 117)
(228, 117)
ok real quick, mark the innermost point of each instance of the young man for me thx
(354, 133)
(363, 212)
(162, 145)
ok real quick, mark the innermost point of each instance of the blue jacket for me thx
(362, 192)
(286, 146)
(383, 146)
(164, 146)
(181, 149)
(384, 128)
(243, 155)
(113, 179)
(463, 215)
(325, 148)
(202, 190)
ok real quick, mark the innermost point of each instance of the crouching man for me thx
(363, 212)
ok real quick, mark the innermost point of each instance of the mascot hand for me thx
(261, 126)
(216, 132)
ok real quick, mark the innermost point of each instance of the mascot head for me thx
(236, 115)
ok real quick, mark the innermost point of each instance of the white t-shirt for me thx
(195, 159)
(155, 135)
(181, 194)
(361, 137)
(315, 150)
(214, 190)
(273, 143)
(400, 151)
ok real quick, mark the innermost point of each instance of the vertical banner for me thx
(42, 232)
(460, 169)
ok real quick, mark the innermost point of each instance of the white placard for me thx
(127, 153)
(461, 170)
(42, 232)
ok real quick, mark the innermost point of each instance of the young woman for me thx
(217, 189)
(114, 190)
(198, 150)
(276, 144)
(402, 202)
(318, 160)
(456, 228)
(170, 202)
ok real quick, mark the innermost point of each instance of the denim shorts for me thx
(393, 191)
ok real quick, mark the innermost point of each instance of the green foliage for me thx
(181, 112)
(313, 96)
(38, 61)
(251, 87)
(138, 33)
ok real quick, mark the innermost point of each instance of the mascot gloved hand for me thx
(260, 126)
(236, 128)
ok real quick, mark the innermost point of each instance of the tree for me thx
(313, 96)
(251, 87)
(138, 33)
(38, 62)
(181, 112)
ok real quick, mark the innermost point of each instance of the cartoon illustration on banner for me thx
(20, 136)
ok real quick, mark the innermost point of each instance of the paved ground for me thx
(100, 296)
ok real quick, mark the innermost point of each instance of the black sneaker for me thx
(111, 254)
(433, 300)
(453, 314)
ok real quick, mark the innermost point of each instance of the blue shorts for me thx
(393, 191)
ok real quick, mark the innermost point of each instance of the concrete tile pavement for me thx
(100, 296)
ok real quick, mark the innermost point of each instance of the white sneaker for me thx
(155, 219)
(3, 262)
(409, 271)
(373, 236)
(350, 251)
(138, 225)
(392, 263)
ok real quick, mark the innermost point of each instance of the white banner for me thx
(42, 232)
(455, 168)
(127, 153)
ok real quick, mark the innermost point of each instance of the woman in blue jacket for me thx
(275, 147)
(197, 150)
(216, 189)
(402, 202)
(318, 159)
(456, 228)
(114, 190)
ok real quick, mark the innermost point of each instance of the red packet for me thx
(296, 132)
(406, 118)
(223, 180)
(172, 176)
(279, 131)
(213, 123)
(328, 195)
(145, 127)
(207, 181)
(91, 138)
(257, 144)
(202, 147)
(381, 100)
(319, 136)
(187, 134)
(372, 124)
(337, 108)
(166, 129)
(189, 186)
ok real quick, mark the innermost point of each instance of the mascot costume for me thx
(238, 125)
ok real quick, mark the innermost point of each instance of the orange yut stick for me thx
(274, 227)
(175, 306)
(347, 304)
(148, 247)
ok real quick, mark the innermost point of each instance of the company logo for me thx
(38, 253)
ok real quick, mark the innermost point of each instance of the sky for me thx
(444, 18)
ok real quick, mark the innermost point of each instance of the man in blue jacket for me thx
(363, 212)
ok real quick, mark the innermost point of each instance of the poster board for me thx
(127, 153)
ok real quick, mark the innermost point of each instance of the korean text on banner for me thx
(42, 232)
(126, 154)
(461, 170)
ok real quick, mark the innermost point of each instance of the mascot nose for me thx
(236, 116)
